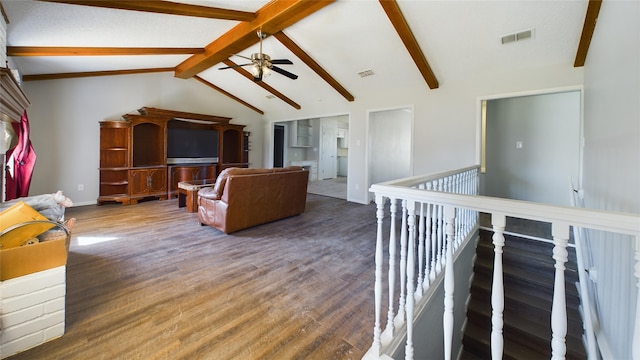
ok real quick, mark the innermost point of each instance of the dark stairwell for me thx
(528, 282)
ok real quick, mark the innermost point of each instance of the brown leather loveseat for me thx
(243, 198)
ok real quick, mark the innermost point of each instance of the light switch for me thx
(518, 144)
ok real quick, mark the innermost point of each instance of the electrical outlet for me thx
(519, 144)
(80, 187)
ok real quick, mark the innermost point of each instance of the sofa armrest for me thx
(208, 193)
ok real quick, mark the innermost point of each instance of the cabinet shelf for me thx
(114, 183)
(301, 133)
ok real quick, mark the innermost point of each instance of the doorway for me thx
(327, 167)
(278, 146)
(531, 146)
(390, 143)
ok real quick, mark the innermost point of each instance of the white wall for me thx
(64, 118)
(612, 162)
(3, 41)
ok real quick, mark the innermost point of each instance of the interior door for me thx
(390, 144)
(328, 167)
(278, 146)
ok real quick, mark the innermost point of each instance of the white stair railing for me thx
(447, 207)
(429, 236)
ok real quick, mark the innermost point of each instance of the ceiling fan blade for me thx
(282, 62)
(284, 72)
(235, 66)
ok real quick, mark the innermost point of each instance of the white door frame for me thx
(481, 119)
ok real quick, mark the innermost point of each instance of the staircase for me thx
(528, 283)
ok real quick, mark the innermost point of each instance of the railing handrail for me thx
(414, 180)
(619, 222)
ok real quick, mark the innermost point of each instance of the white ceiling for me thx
(458, 38)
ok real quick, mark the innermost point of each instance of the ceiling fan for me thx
(262, 65)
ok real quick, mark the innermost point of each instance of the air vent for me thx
(271, 96)
(365, 73)
(519, 36)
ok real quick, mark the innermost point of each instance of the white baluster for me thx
(410, 278)
(378, 272)
(393, 208)
(440, 232)
(636, 331)
(560, 232)
(403, 266)
(497, 289)
(428, 245)
(432, 237)
(421, 226)
(449, 283)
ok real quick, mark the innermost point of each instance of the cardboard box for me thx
(16, 214)
(17, 260)
(23, 260)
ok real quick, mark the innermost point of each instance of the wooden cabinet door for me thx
(208, 172)
(157, 181)
(138, 183)
(148, 182)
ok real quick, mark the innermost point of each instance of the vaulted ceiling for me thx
(418, 44)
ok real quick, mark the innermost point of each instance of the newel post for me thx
(449, 281)
(378, 274)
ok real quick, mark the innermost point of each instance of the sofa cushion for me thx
(222, 177)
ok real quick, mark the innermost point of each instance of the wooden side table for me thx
(188, 193)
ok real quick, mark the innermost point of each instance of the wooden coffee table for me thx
(188, 193)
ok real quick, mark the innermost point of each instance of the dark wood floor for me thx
(160, 286)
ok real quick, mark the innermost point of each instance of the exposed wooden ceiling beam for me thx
(166, 7)
(92, 73)
(593, 9)
(262, 84)
(4, 14)
(95, 51)
(271, 18)
(224, 92)
(404, 31)
(302, 55)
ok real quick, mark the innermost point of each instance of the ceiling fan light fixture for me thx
(255, 70)
(265, 71)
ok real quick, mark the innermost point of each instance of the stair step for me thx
(527, 334)
(525, 244)
(515, 297)
(529, 274)
(522, 320)
(541, 258)
(519, 276)
(477, 345)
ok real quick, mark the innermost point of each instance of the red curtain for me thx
(22, 160)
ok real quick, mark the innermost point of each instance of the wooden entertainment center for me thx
(133, 153)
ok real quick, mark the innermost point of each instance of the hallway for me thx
(336, 188)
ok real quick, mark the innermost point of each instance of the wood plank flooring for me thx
(160, 286)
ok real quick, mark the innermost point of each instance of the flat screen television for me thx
(192, 146)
